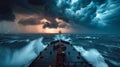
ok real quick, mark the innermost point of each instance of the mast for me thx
(60, 32)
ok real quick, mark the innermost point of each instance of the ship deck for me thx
(47, 57)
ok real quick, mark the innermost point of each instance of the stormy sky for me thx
(50, 16)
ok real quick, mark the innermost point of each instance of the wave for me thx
(21, 57)
(92, 56)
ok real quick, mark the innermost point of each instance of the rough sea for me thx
(19, 50)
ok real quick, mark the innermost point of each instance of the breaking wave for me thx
(92, 56)
(62, 37)
(23, 56)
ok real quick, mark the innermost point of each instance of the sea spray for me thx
(92, 56)
(21, 57)
(62, 37)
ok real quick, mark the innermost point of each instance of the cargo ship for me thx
(60, 53)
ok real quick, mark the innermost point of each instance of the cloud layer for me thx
(84, 15)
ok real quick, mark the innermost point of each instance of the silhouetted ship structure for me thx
(60, 53)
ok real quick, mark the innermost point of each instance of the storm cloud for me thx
(84, 12)
(29, 21)
(90, 14)
(94, 14)
(6, 12)
(45, 22)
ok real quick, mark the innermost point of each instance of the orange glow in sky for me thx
(39, 29)
(52, 30)
(15, 27)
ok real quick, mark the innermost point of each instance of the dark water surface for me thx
(13, 45)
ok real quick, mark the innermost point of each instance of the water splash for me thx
(21, 57)
(117, 64)
(92, 56)
(62, 37)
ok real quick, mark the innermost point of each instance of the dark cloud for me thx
(6, 12)
(38, 2)
(50, 25)
(29, 21)
(92, 14)
(57, 23)
(79, 12)
(8, 9)
(46, 23)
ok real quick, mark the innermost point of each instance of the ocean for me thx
(19, 50)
